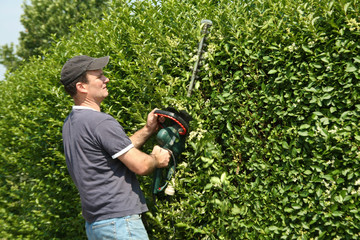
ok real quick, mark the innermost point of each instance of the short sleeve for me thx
(112, 137)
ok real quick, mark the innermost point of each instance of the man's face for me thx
(96, 85)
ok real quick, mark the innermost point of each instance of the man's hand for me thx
(152, 123)
(162, 156)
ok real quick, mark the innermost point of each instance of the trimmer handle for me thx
(160, 182)
(176, 118)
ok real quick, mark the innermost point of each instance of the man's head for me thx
(75, 71)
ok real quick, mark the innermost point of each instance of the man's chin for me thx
(106, 93)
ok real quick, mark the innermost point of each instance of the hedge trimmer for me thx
(172, 137)
(175, 129)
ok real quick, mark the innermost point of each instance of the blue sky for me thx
(10, 26)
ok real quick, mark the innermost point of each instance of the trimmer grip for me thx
(157, 180)
(160, 182)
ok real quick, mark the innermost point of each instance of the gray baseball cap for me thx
(76, 66)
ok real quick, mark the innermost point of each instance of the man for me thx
(101, 159)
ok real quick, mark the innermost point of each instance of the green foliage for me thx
(36, 193)
(46, 20)
(8, 58)
(274, 149)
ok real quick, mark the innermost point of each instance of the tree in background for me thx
(7, 56)
(44, 21)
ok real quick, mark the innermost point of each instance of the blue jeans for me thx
(129, 227)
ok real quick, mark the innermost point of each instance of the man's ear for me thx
(81, 88)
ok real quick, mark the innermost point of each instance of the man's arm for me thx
(142, 163)
(142, 135)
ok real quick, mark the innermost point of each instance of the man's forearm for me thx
(140, 137)
(142, 163)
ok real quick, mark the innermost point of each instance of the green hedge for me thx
(274, 150)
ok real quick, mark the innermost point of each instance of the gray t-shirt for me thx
(92, 142)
